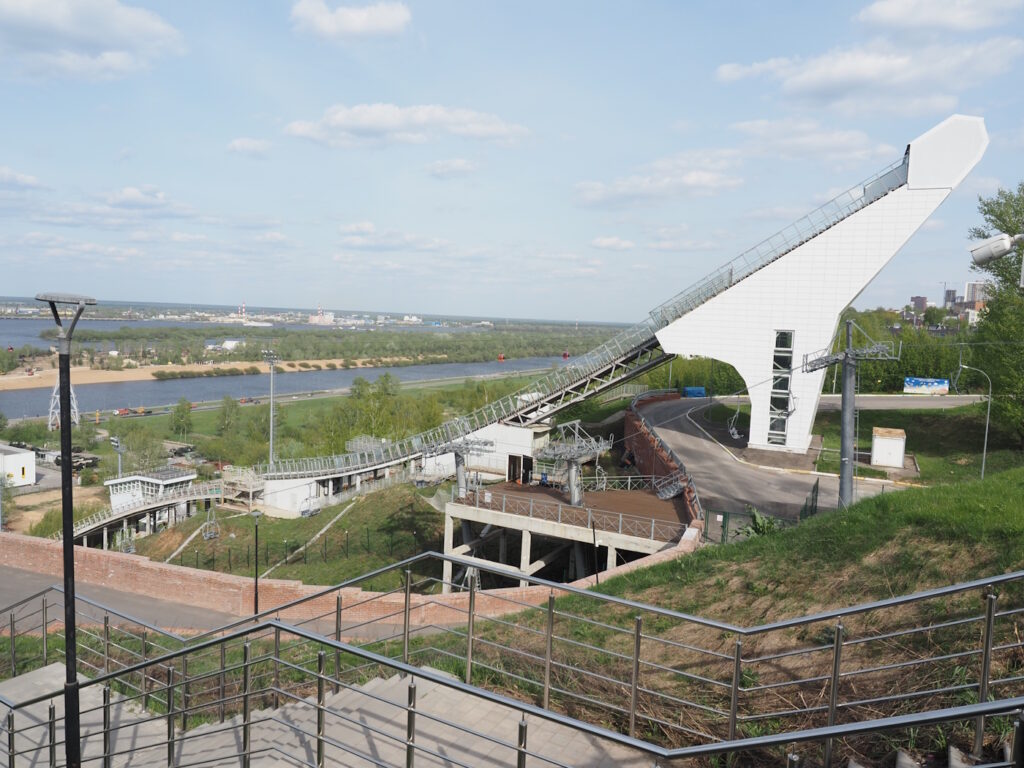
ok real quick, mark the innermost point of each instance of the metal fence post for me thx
(277, 666)
(521, 745)
(10, 737)
(833, 693)
(52, 733)
(170, 717)
(106, 726)
(245, 705)
(45, 625)
(410, 726)
(145, 674)
(734, 696)
(321, 665)
(986, 665)
(405, 617)
(1017, 755)
(337, 639)
(222, 681)
(186, 692)
(469, 631)
(634, 685)
(106, 643)
(14, 658)
(548, 638)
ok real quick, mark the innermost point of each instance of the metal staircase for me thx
(629, 353)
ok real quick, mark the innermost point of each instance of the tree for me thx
(934, 316)
(1001, 327)
(181, 417)
(228, 418)
(3, 422)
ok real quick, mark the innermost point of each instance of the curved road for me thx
(726, 484)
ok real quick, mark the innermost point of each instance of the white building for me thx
(772, 317)
(143, 486)
(17, 466)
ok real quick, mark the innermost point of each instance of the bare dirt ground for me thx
(31, 507)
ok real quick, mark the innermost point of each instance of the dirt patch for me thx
(31, 507)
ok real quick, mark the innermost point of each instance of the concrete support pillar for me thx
(104, 537)
(449, 545)
(503, 547)
(467, 535)
(580, 558)
(524, 556)
(460, 474)
(575, 486)
(613, 557)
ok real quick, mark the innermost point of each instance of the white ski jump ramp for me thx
(764, 323)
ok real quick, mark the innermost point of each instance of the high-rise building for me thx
(950, 298)
(919, 303)
(975, 292)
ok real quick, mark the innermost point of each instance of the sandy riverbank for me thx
(47, 377)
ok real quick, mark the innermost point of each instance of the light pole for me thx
(256, 562)
(72, 739)
(272, 360)
(988, 412)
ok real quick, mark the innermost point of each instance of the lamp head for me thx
(65, 298)
(994, 248)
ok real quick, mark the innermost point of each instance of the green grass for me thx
(947, 443)
(379, 529)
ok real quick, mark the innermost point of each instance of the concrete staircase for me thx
(364, 726)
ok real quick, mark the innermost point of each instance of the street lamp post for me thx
(72, 739)
(272, 360)
(988, 413)
(256, 571)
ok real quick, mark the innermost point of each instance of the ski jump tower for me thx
(782, 299)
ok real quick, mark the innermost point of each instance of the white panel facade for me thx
(17, 466)
(805, 290)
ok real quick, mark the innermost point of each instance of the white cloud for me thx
(612, 243)
(91, 39)
(793, 137)
(960, 15)
(386, 18)
(271, 237)
(137, 197)
(11, 179)
(687, 173)
(882, 77)
(364, 236)
(343, 126)
(449, 169)
(54, 246)
(246, 146)
(187, 237)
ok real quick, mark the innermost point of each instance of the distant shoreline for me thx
(47, 377)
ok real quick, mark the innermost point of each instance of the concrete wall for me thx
(805, 290)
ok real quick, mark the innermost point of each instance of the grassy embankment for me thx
(376, 530)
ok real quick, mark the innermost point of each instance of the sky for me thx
(566, 160)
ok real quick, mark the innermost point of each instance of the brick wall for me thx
(233, 594)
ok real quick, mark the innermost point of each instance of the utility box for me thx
(888, 447)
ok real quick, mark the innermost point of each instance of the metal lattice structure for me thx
(211, 528)
(53, 419)
(572, 445)
(631, 352)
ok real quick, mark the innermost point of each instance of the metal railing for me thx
(624, 345)
(691, 685)
(618, 482)
(692, 497)
(210, 490)
(542, 508)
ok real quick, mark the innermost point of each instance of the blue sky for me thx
(569, 160)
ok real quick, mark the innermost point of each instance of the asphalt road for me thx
(727, 485)
(884, 402)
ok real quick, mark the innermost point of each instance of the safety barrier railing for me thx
(618, 482)
(692, 686)
(623, 345)
(539, 508)
(209, 490)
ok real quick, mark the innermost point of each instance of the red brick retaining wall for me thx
(233, 594)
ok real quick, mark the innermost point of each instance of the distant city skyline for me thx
(531, 160)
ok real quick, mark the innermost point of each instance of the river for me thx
(133, 394)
